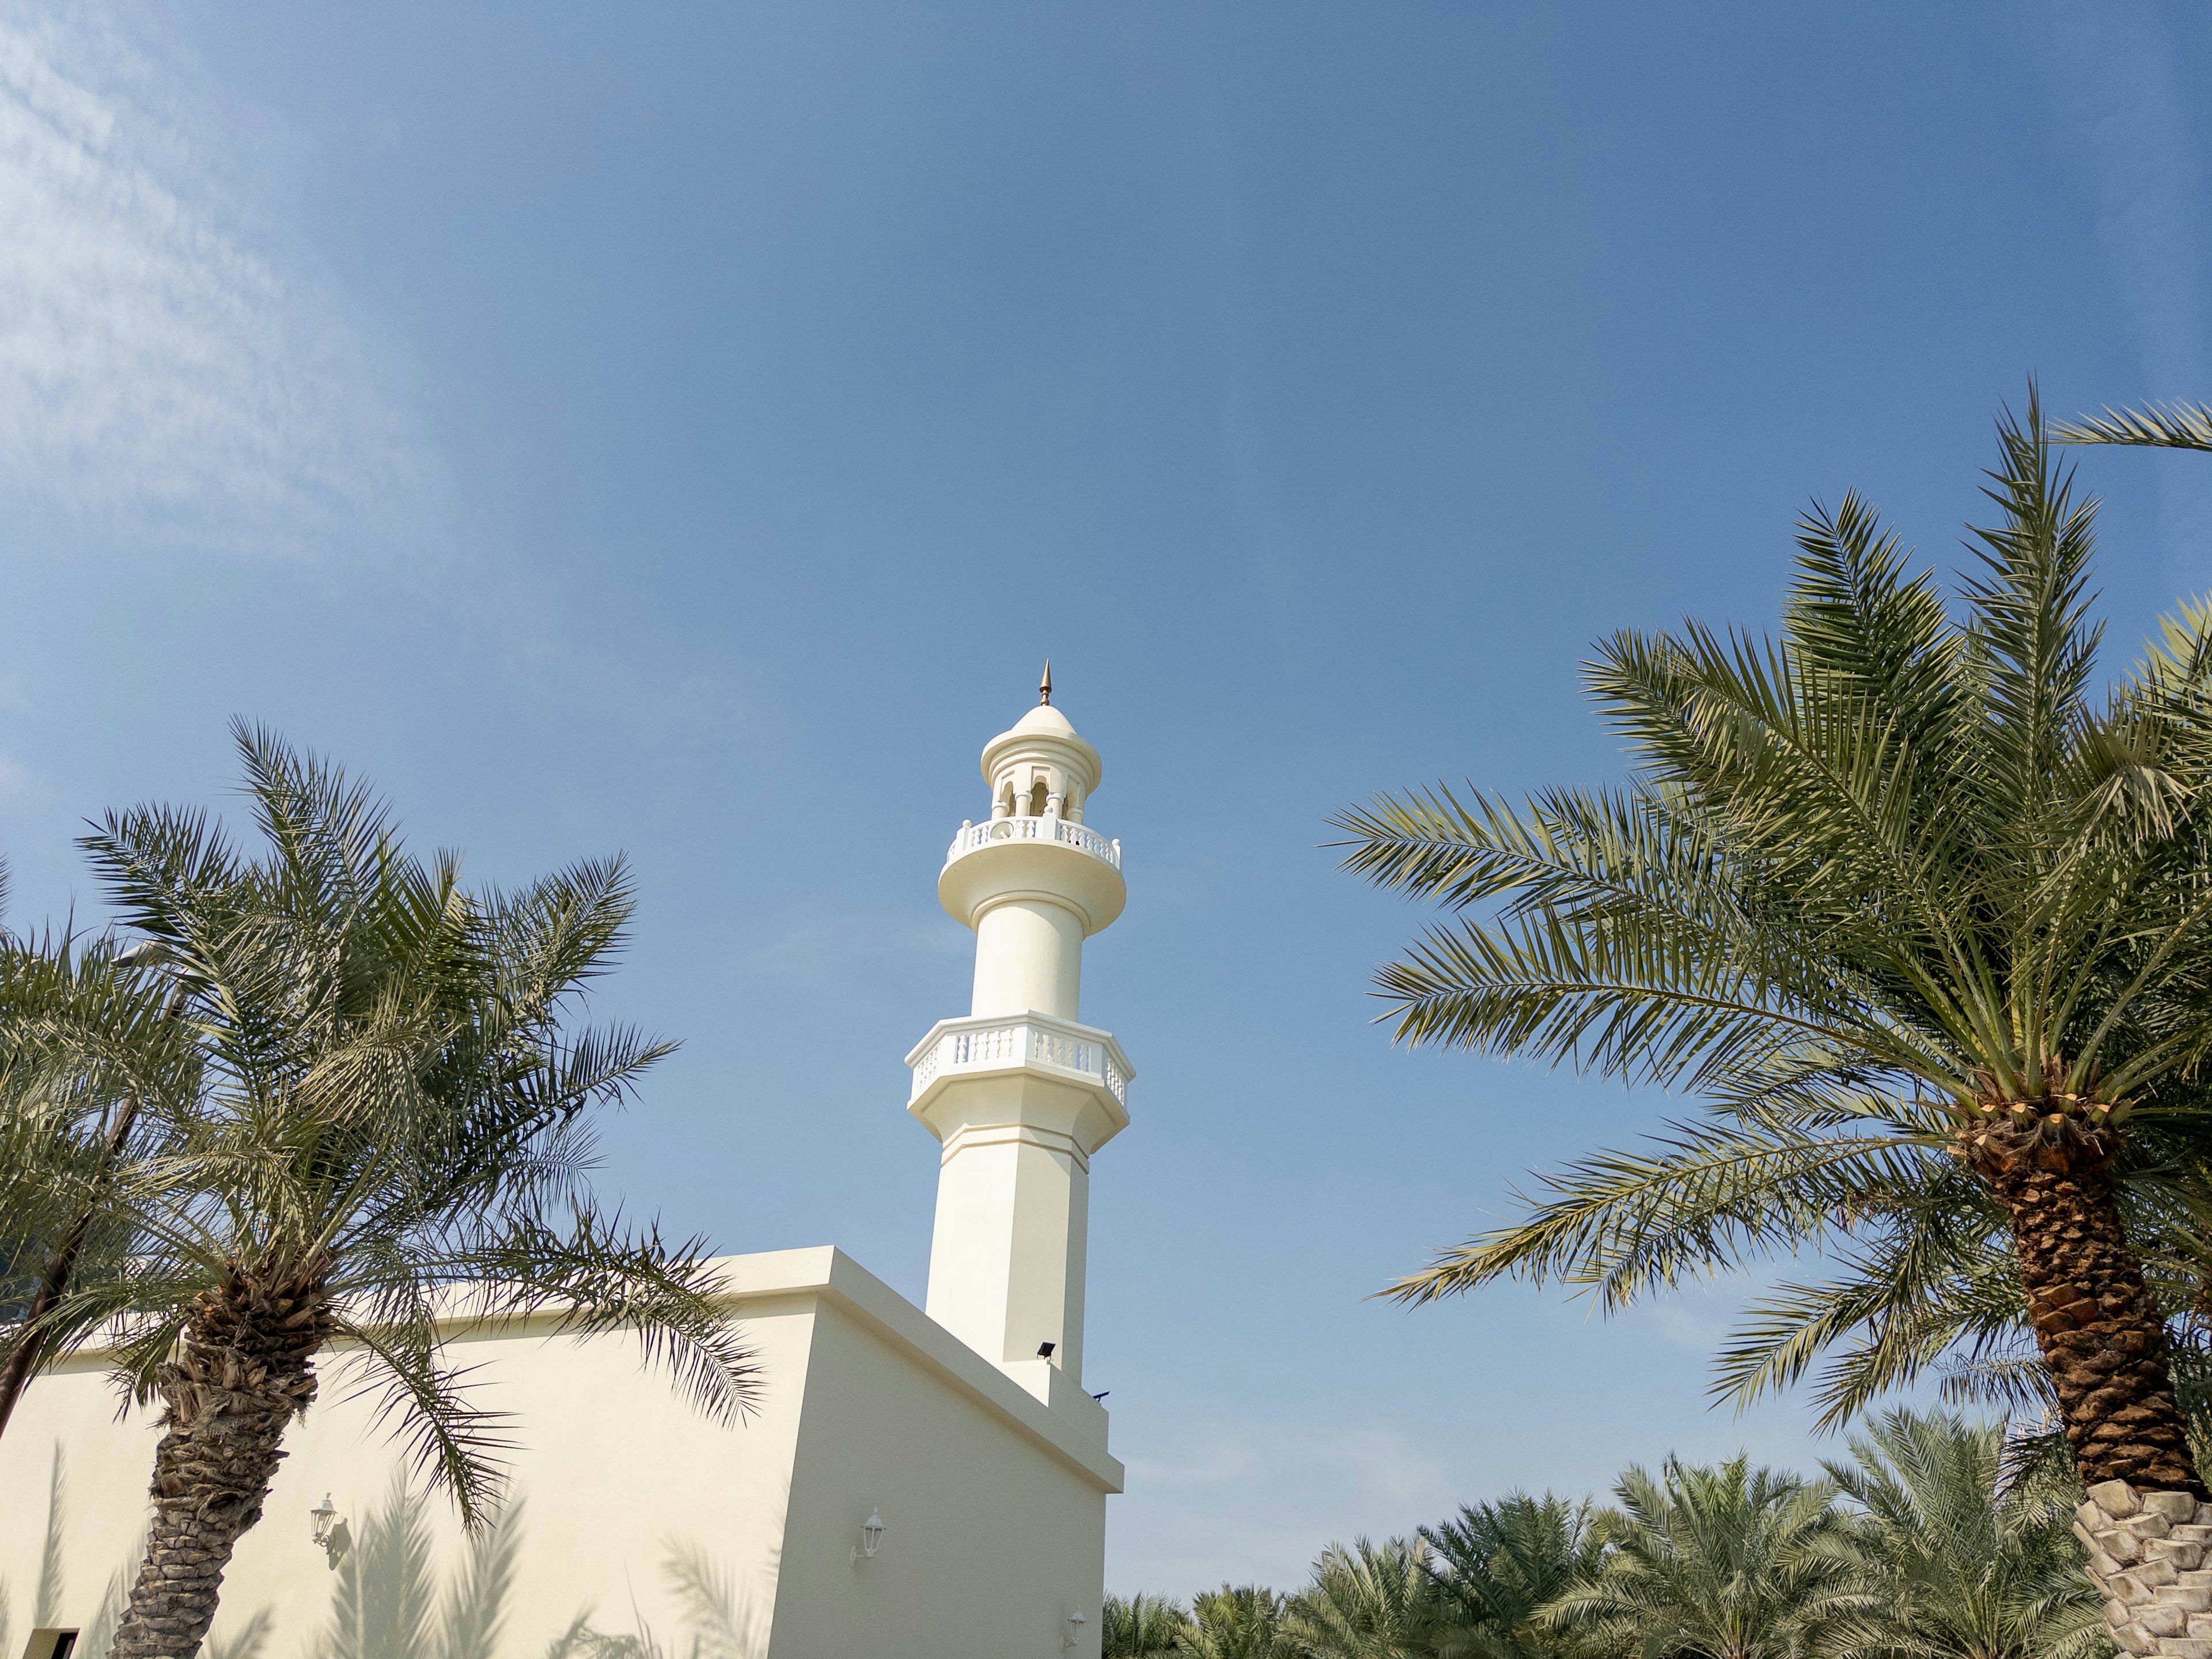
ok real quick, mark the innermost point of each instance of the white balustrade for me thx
(1021, 1039)
(973, 838)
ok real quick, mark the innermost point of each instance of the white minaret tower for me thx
(1019, 1093)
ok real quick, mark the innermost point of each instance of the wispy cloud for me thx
(175, 369)
(2113, 67)
(20, 790)
(1313, 1482)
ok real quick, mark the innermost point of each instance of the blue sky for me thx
(687, 430)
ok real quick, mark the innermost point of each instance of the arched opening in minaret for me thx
(1037, 798)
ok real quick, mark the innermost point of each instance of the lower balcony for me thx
(1031, 1042)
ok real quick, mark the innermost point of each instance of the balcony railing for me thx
(989, 1045)
(974, 837)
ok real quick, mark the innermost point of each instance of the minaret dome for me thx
(1040, 768)
(1033, 880)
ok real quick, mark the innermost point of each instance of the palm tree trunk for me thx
(245, 1368)
(2101, 1335)
(2145, 1522)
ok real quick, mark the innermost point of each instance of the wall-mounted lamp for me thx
(328, 1538)
(1074, 1629)
(872, 1535)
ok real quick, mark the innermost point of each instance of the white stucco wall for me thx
(995, 1504)
(994, 1507)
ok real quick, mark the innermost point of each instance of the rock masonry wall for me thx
(2149, 1550)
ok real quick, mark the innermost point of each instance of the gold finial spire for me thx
(1044, 686)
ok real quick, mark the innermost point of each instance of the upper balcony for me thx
(974, 837)
(1020, 860)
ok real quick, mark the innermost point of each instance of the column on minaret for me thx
(1019, 1093)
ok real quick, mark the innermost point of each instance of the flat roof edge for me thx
(827, 1272)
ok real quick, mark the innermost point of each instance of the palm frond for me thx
(2157, 426)
(1701, 1201)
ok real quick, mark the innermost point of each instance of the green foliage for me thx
(1961, 1565)
(382, 1096)
(1237, 1621)
(84, 1037)
(1918, 1548)
(1140, 1627)
(1870, 879)
(1498, 1566)
(1372, 1602)
(1726, 1562)
(2155, 426)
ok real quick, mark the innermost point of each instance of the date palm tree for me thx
(384, 1128)
(1237, 1621)
(1924, 919)
(1962, 1564)
(1140, 1627)
(2185, 1261)
(1498, 1566)
(1726, 1562)
(1372, 1601)
(84, 1037)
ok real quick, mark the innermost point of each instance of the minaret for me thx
(1019, 1093)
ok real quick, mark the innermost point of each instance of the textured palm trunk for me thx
(2145, 1521)
(2101, 1336)
(245, 1368)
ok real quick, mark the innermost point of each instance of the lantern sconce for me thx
(872, 1535)
(329, 1530)
(1075, 1636)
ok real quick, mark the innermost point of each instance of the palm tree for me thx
(1237, 1621)
(1140, 1627)
(1726, 1562)
(1373, 1602)
(85, 1035)
(2186, 1259)
(1926, 924)
(1497, 1564)
(1963, 1566)
(382, 1127)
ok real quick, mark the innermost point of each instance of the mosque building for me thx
(919, 1483)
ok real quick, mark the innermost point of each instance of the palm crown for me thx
(381, 1130)
(1919, 914)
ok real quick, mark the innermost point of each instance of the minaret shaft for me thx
(1006, 1257)
(1018, 1093)
(1028, 954)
